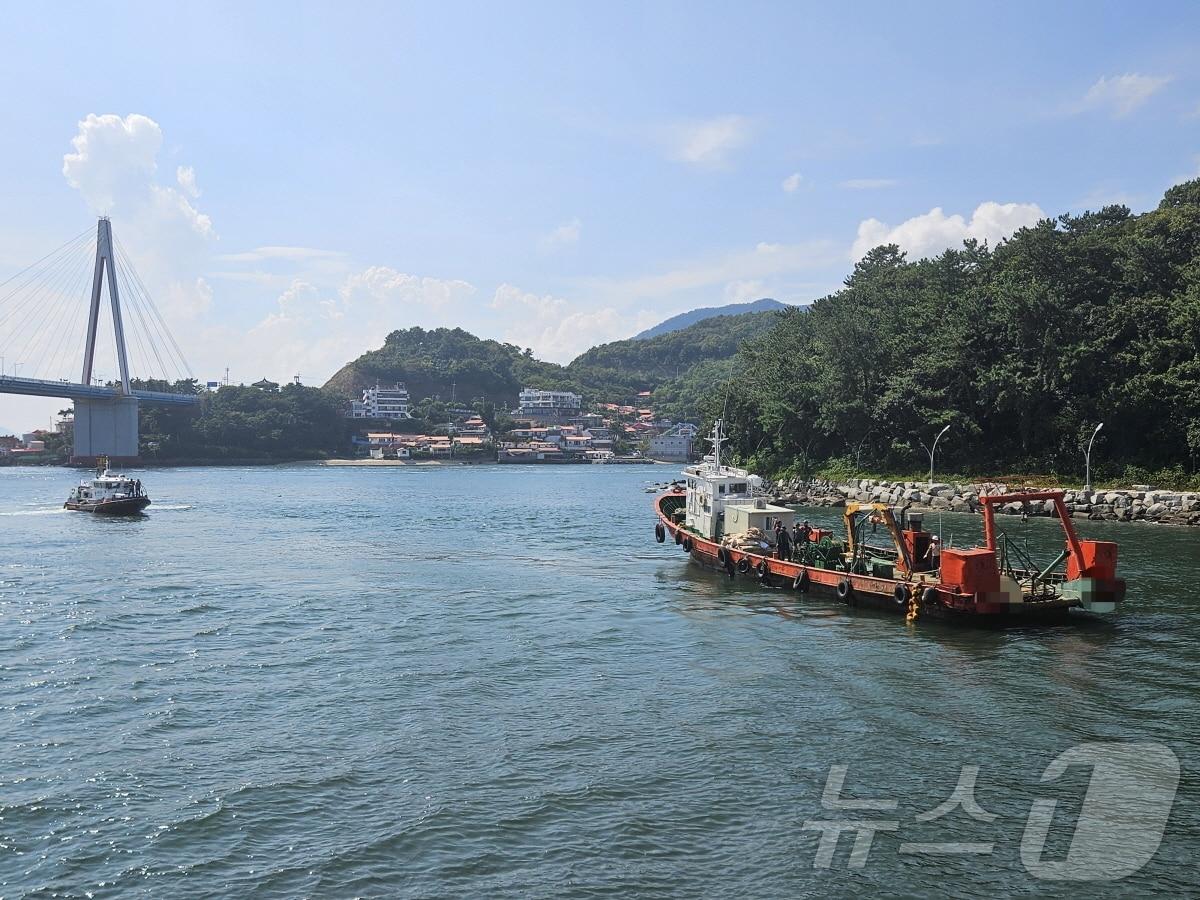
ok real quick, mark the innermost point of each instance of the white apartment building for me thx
(382, 403)
(535, 402)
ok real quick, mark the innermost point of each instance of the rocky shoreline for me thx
(1141, 503)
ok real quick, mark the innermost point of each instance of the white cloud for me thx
(743, 291)
(868, 184)
(259, 254)
(114, 168)
(708, 143)
(763, 261)
(933, 232)
(187, 300)
(558, 330)
(562, 236)
(395, 292)
(316, 329)
(1122, 94)
(791, 184)
(186, 176)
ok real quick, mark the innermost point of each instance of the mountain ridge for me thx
(692, 316)
(451, 362)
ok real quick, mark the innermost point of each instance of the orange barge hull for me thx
(934, 599)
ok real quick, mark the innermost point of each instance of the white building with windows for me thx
(675, 444)
(382, 403)
(548, 403)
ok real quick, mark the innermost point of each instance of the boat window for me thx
(739, 488)
(722, 489)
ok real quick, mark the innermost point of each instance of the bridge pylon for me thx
(106, 427)
(105, 262)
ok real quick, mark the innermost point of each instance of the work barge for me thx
(885, 560)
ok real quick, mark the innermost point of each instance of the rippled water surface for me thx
(490, 681)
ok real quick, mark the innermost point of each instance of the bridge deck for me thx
(37, 387)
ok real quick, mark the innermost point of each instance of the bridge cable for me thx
(138, 307)
(37, 281)
(154, 309)
(56, 327)
(83, 234)
(48, 290)
(67, 327)
(135, 306)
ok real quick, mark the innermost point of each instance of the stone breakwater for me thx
(1138, 504)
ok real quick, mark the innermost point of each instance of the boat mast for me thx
(717, 440)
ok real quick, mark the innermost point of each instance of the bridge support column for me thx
(106, 428)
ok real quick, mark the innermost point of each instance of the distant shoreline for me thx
(388, 463)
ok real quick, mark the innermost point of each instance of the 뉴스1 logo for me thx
(1129, 797)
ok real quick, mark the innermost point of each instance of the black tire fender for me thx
(743, 565)
(763, 570)
(687, 545)
(660, 532)
(901, 595)
(844, 590)
(800, 582)
(678, 537)
(928, 597)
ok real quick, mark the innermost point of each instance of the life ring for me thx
(660, 533)
(743, 565)
(763, 570)
(800, 582)
(901, 595)
(679, 537)
(687, 545)
(844, 591)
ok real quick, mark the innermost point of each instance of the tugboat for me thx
(722, 519)
(109, 494)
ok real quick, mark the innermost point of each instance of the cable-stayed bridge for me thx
(50, 315)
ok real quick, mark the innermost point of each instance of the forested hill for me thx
(691, 317)
(432, 362)
(1022, 349)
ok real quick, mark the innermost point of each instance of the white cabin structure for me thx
(724, 500)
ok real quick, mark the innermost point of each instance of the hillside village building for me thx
(382, 403)
(548, 404)
(675, 445)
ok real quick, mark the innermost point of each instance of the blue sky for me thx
(293, 181)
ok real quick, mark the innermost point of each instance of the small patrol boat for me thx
(723, 520)
(109, 494)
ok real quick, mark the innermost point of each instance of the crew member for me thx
(806, 532)
(783, 542)
(797, 539)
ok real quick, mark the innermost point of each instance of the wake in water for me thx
(56, 510)
(41, 511)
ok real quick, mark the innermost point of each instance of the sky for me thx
(292, 182)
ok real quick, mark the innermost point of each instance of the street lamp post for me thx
(1087, 459)
(932, 450)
